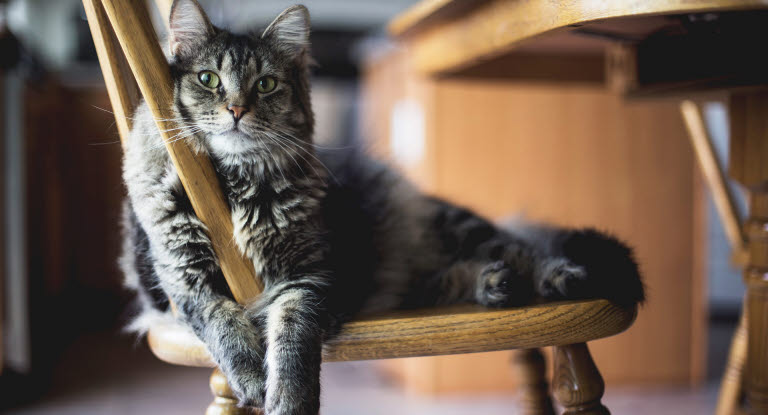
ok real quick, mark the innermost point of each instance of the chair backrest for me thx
(132, 62)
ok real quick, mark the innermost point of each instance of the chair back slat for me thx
(130, 24)
(123, 92)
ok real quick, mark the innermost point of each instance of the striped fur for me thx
(327, 249)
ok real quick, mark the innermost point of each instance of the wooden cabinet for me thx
(572, 154)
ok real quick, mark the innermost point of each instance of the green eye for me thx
(209, 79)
(266, 84)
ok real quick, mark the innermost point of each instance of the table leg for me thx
(756, 278)
(749, 165)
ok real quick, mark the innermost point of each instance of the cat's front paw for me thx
(248, 386)
(562, 279)
(501, 286)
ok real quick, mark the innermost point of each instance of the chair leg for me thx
(224, 401)
(731, 390)
(577, 384)
(530, 367)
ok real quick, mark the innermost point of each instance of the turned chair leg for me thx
(224, 401)
(531, 368)
(577, 384)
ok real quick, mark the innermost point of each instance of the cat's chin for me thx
(231, 143)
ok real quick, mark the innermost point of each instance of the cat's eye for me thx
(266, 84)
(209, 79)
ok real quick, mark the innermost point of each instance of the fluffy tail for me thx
(612, 270)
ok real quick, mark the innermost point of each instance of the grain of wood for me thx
(439, 331)
(494, 27)
(133, 29)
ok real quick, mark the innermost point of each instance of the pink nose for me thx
(237, 111)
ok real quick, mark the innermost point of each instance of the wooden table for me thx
(638, 49)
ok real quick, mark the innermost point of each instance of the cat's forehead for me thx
(239, 56)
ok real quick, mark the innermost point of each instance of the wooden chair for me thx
(132, 63)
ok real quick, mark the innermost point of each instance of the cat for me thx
(332, 233)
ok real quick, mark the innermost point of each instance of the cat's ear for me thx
(189, 26)
(290, 30)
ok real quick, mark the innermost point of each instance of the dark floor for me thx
(107, 374)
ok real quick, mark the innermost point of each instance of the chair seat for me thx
(435, 331)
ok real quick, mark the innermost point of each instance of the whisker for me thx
(156, 131)
(287, 151)
(180, 136)
(278, 139)
(299, 154)
(105, 143)
(282, 173)
(287, 137)
(324, 147)
(134, 118)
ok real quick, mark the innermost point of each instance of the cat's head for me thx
(242, 93)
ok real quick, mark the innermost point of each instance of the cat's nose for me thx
(237, 111)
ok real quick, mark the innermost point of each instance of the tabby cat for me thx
(330, 238)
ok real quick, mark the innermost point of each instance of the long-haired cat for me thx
(326, 249)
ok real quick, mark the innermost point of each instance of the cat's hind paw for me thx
(562, 279)
(500, 286)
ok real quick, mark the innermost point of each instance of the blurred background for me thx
(501, 146)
